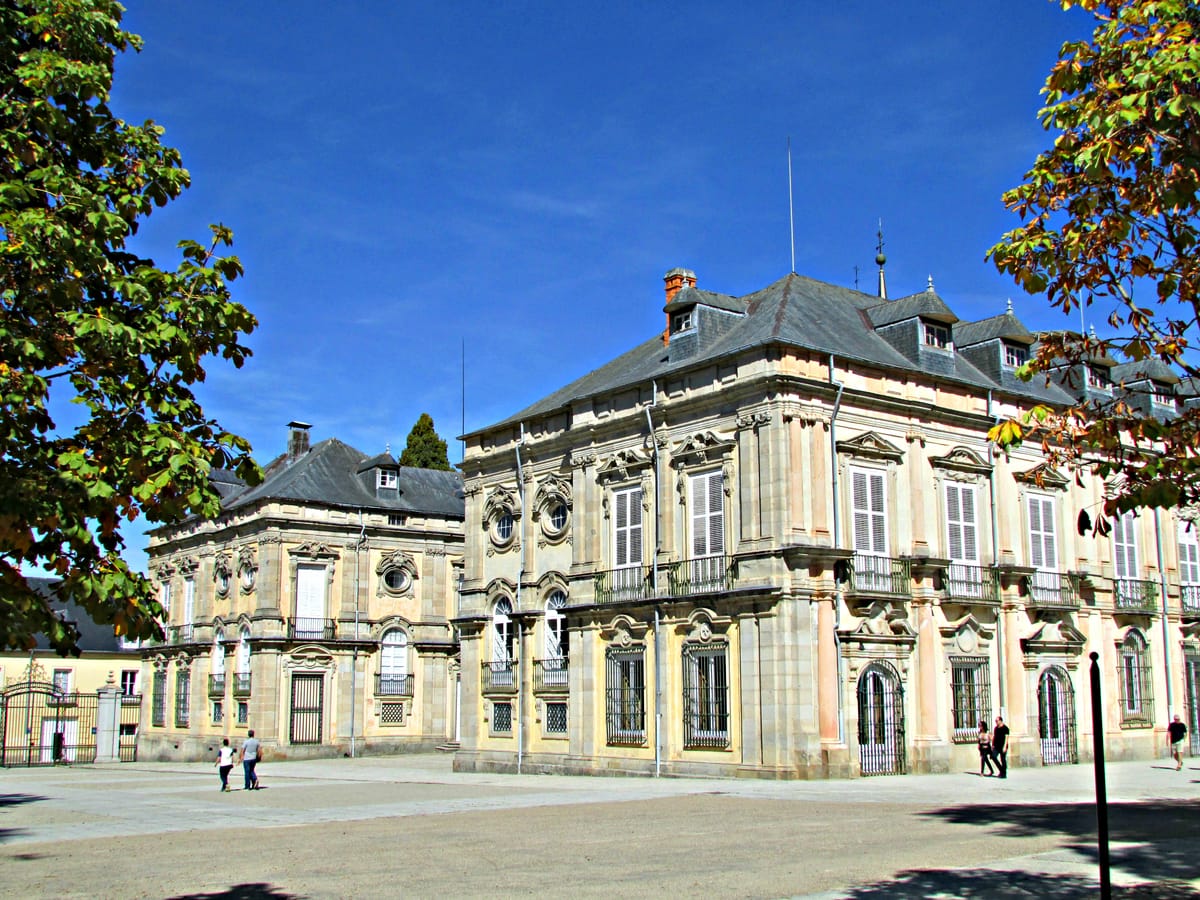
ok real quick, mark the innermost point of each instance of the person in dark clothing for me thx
(985, 750)
(1000, 746)
(1177, 731)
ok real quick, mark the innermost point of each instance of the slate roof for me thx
(691, 296)
(1005, 326)
(329, 474)
(797, 311)
(93, 636)
(1154, 369)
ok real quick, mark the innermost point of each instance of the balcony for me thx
(216, 685)
(499, 677)
(311, 629)
(182, 634)
(880, 575)
(551, 674)
(972, 584)
(1189, 599)
(623, 585)
(393, 685)
(1051, 590)
(241, 684)
(1134, 595)
(702, 575)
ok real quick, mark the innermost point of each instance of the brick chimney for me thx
(676, 280)
(297, 444)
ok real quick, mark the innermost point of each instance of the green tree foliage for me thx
(1109, 219)
(425, 450)
(84, 318)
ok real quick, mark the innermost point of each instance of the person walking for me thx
(250, 752)
(1000, 746)
(1177, 731)
(985, 750)
(224, 763)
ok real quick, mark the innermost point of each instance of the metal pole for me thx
(1101, 792)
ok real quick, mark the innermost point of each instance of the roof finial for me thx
(930, 281)
(881, 261)
(387, 448)
(1009, 310)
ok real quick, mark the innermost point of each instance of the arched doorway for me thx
(880, 721)
(1056, 717)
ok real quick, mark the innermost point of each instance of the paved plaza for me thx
(408, 826)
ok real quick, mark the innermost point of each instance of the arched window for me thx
(502, 635)
(393, 663)
(243, 651)
(1137, 706)
(556, 626)
(880, 721)
(218, 656)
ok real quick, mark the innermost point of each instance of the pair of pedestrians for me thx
(251, 752)
(993, 748)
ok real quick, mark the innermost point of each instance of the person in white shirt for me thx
(224, 763)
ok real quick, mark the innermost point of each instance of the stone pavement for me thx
(409, 826)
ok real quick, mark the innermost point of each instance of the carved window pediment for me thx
(623, 465)
(702, 447)
(314, 550)
(870, 446)
(1043, 476)
(624, 631)
(962, 459)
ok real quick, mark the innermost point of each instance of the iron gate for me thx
(1192, 672)
(308, 708)
(131, 714)
(1056, 718)
(41, 726)
(880, 721)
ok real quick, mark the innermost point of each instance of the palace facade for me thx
(774, 540)
(314, 609)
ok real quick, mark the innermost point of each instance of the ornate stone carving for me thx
(870, 446)
(1043, 476)
(755, 419)
(620, 464)
(962, 459)
(702, 447)
(314, 550)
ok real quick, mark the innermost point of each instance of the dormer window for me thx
(682, 321)
(1015, 356)
(385, 478)
(936, 335)
(1162, 395)
(1097, 378)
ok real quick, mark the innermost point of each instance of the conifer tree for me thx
(425, 450)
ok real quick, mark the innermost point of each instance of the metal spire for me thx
(881, 261)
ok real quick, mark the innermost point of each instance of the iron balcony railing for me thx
(1135, 595)
(182, 634)
(131, 699)
(216, 685)
(1189, 597)
(312, 629)
(551, 673)
(621, 585)
(881, 575)
(499, 676)
(702, 575)
(976, 584)
(1052, 590)
(241, 684)
(393, 685)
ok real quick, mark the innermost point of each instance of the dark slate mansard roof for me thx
(94, 637)
(805, 313)
(329, 474)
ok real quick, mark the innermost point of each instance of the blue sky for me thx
(402, 178)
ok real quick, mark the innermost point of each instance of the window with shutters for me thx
(393, 665)
(1189, 565)
(1043, 549)
(189, 601)
(967, 578)
(872, 567)
(627, 576)
(707, 568)
(1126, 586)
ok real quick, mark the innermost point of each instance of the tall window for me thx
(218, 657)
(183, 698)
(708, 514)
(1189, 564)
(1043, 548)
(556, 633)
(189, 600)
(393, 663)
(625, 695)
(962, 542)
(158, 699)
(971, 694)
(1125, 558)
(310, 602)
(705, 696)
(627, 578)
(243, 651)
(1137, 707)
(503, 643)
(872, 568)
(164, 599)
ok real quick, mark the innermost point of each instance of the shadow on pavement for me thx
(251, 891)
(1156, 826)
(18, 799)
(985, 883)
